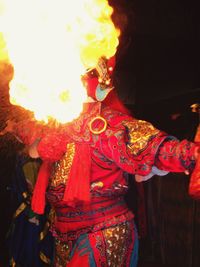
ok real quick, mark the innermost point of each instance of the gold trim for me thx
(104, 76)
(20, 209)
(45, 231)
(44, 258)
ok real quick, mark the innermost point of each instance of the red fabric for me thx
(197, 135)
(91, 85)
(53, 145)
(92, 249)
(112, 101)
(194, 186)
(94, 218)
(111, 62)
(78, 185)
(98, 243)
(173, 155)
(38, 198)
(78, 260)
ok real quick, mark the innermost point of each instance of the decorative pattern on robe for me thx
(126, 146)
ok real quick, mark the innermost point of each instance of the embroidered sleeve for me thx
(176, 156)
(132, 144)
(139, 148)
(51, 141)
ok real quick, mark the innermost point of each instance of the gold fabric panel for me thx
(116, 243)
(139, 132)
(63, 166)
(62, 252)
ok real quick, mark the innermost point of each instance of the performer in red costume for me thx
(84, 173)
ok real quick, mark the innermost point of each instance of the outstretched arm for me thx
(139, 148)
(25, 132)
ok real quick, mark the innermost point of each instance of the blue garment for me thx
(26, 249)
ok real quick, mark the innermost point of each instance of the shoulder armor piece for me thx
(139, 134)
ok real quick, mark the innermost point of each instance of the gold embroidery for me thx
(140, 132)
(80, 130)
(63, 166)
(103, 72)
(62, 253)
(116, 238)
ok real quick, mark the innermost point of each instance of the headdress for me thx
(98, 81)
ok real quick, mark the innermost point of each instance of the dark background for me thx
(157, 75)
(162, 57)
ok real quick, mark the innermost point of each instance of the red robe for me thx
(86, 173)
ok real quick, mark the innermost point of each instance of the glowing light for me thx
(51, 43)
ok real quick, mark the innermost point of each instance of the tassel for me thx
(78, 185)
(38, 199)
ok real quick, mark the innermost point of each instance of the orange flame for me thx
(51, 43)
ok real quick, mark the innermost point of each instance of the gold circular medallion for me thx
(97, 131)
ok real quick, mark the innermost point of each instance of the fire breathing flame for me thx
(51, 43)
